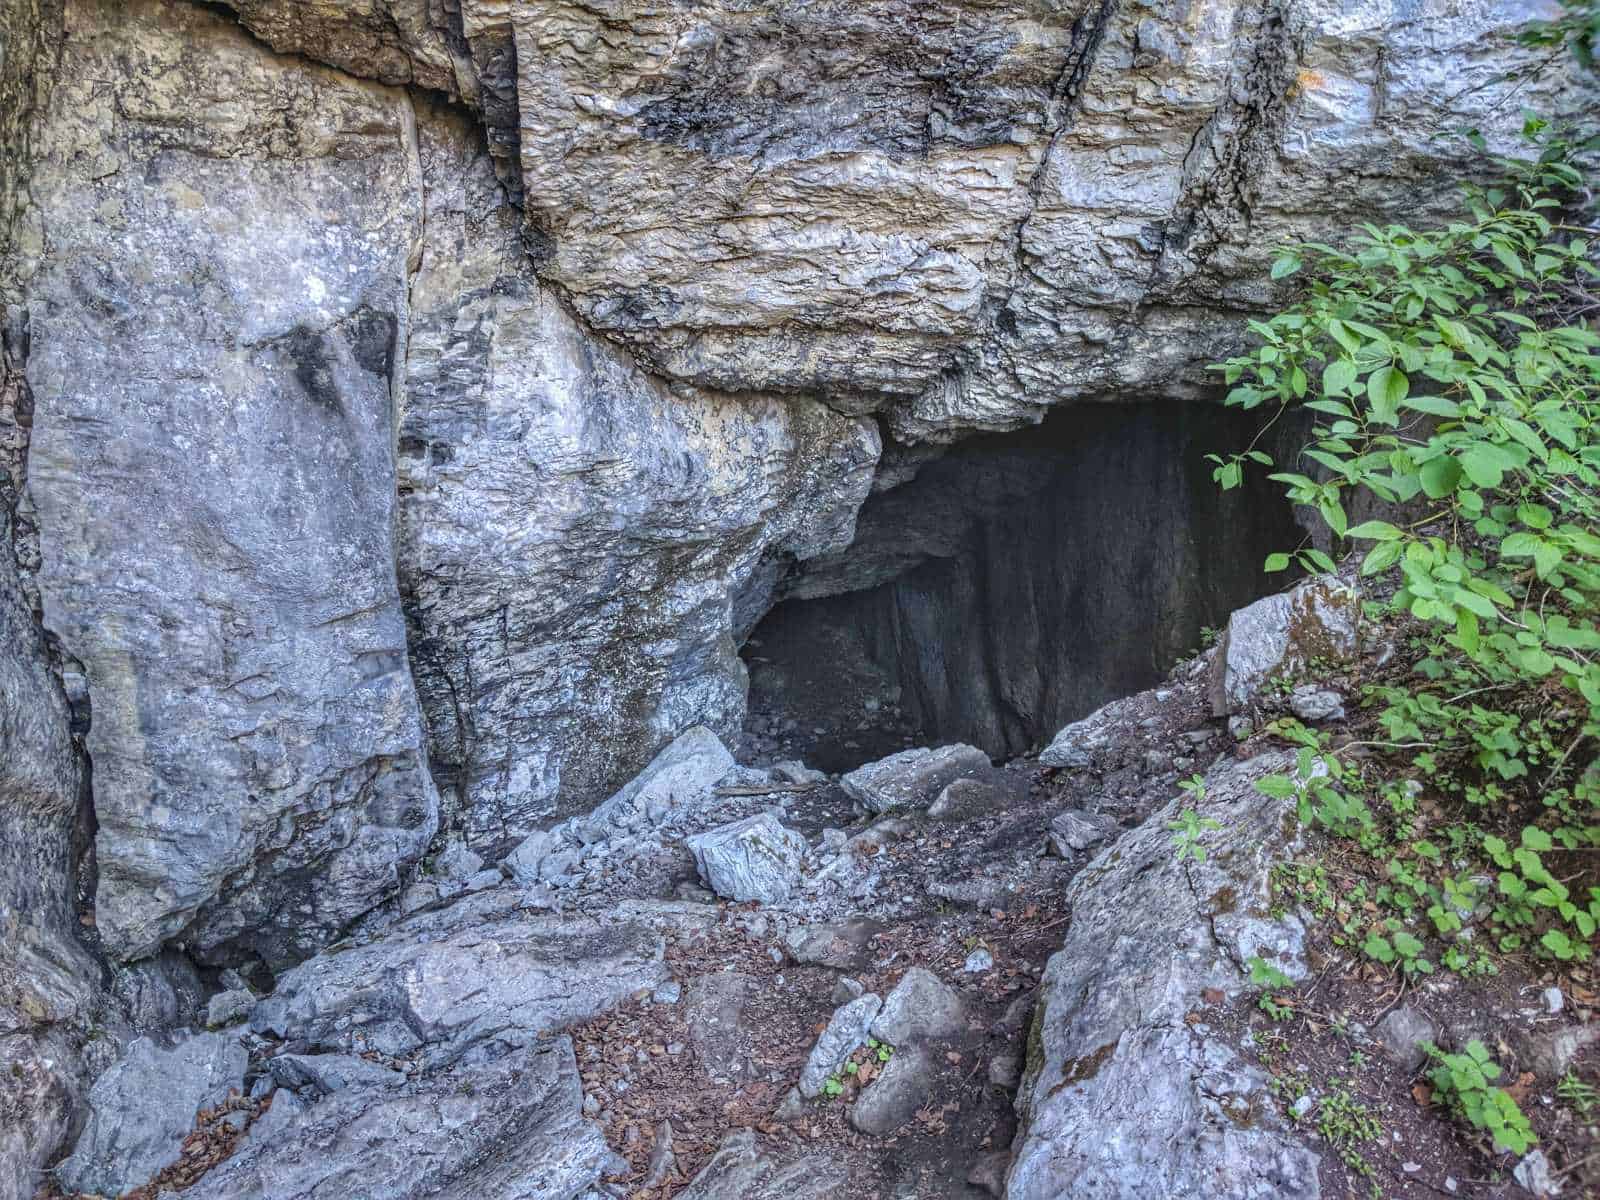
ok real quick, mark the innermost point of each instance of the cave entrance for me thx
(1013, 583)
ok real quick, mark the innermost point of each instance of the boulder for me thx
(742, 1169)
(753, 859)
(921, 1008)
(912, 778)
(895, 1093)
(676, 778)
(1280, 636)
(508, 1126)
(1121, 1098)
(446, 979)
(144, 1106)
(846, 1031)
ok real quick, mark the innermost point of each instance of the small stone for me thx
(1553, 1000)
(669, 992)
(674, 1048)
(989, 1172)
(591, 1106)
(797, 773)
(1411, 1168)
(1550, 1053)
(1533, 1173)
(1005, 1071)
(418, 896)
(1302, 1107)
(1450, 1183)
(846, 990)
(1312, 703)
(978, 961)
(1402, 1033)
(1073, 832)
(227, 1007)
(965, 799)
(694, 893)
(456, 862)
(792, 1107)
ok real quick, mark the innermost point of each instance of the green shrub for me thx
(1454, 376)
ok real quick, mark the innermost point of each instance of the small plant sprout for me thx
(1190, 825)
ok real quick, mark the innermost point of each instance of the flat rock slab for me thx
(742, 1170)
(450, 977)
(753, 859)
(144, 1106)
(912, 778)
(511, 1129)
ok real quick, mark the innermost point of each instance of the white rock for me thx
(753, 859)
(912, 778)
(847, 1029)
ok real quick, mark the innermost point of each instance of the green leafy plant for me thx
(1581, 1097)
(1190, 826)
(1346, 1124)
(1465, 1082)
(1453, 378)
(1267, 977)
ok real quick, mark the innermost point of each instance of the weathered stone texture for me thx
(216, 307)
(575, 532)
(1121, 1097)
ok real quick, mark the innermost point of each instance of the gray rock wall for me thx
(354, 482)
(574, 529)
(218, 307)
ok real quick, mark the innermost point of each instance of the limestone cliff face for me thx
(427, 395)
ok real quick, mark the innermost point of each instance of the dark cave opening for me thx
(1014, 583)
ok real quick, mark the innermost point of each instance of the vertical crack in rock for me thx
(1220, 169)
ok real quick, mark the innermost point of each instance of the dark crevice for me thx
(1016, 584)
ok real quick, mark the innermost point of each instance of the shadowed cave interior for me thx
(1014, 583)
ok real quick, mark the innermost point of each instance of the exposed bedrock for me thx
(217, 301)
(961, 212)
(1021, 580)
(574, 529)
(416, 436)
